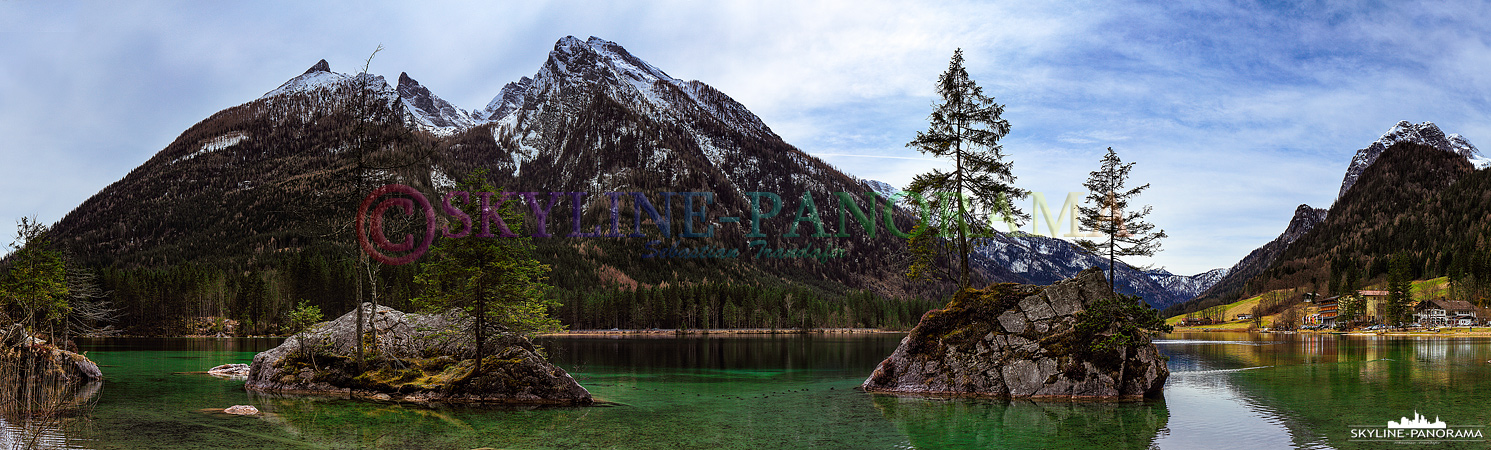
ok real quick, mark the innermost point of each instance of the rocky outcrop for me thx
(1012, 340)
(320, 66)
(417, 357)
(36, 358)
(1305, 219)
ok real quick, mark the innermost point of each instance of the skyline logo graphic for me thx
(1418, 421)
(1417, 431)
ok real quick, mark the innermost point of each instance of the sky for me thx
(1235, 113)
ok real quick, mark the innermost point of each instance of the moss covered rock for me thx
(1012, 340)
(416, 357)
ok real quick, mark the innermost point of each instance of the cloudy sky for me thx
(1236, 113)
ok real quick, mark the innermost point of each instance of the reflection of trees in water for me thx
(340, 422)
(992, 423)
(1316, 386)
(38, 403)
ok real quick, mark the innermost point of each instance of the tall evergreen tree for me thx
(33, 290)
(1107, 212)
(966, 127)
(494, 279)
(1400, 291)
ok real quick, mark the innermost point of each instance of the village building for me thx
(1440, 312)
(1375, 305)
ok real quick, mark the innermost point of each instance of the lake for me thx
(1227, 390)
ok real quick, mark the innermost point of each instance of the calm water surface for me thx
(1233, 391)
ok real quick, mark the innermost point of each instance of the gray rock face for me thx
(417, 357)
(320, 66)
(1019, 341)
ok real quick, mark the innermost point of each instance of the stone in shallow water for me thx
(241, 410)
(230, 371)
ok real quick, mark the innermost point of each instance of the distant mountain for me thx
(265, 183)
(1044, 260)
(1267, 265)
(1036, 259)
(1424, 133)
(431, 112)
(1187, 286)
(1415, 200)
(1234, 279)
(257, 198)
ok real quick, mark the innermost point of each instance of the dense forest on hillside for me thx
(204, 300)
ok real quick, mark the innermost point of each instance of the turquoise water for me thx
(1228, 391)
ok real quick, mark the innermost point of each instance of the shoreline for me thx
(1447, 333)
(711, 331)
(610, 332)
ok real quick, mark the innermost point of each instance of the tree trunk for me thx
(481, 313)
(962, 230)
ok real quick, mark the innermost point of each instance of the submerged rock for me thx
(241, 410)
(1012, 340)
(418, 357)
(237, 371)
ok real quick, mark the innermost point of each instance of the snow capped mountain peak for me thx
(320, 78)
(510, 99)
(430, 111)
(1187, 287)
(578, 70)
(1404, 131)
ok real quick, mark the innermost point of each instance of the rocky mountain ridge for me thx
(1426, 133)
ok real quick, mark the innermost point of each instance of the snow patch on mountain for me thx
(1424, 133)
(215, 144)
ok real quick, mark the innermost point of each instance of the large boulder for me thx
(1022, 341)
(34, 357)
(417, 357)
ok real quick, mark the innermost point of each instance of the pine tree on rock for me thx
(494, 279)
(1107, 211)
(965, 126)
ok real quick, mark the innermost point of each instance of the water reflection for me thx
(38, 412)
(1309, 390)
(1233, 390)
(933, 423)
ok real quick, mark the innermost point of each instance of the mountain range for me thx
(1415, 191)
(265, 191)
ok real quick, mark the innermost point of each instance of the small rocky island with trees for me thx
(1071, 340)
(416, 357)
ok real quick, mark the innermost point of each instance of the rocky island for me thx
(1022, 341)
(417, 357)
